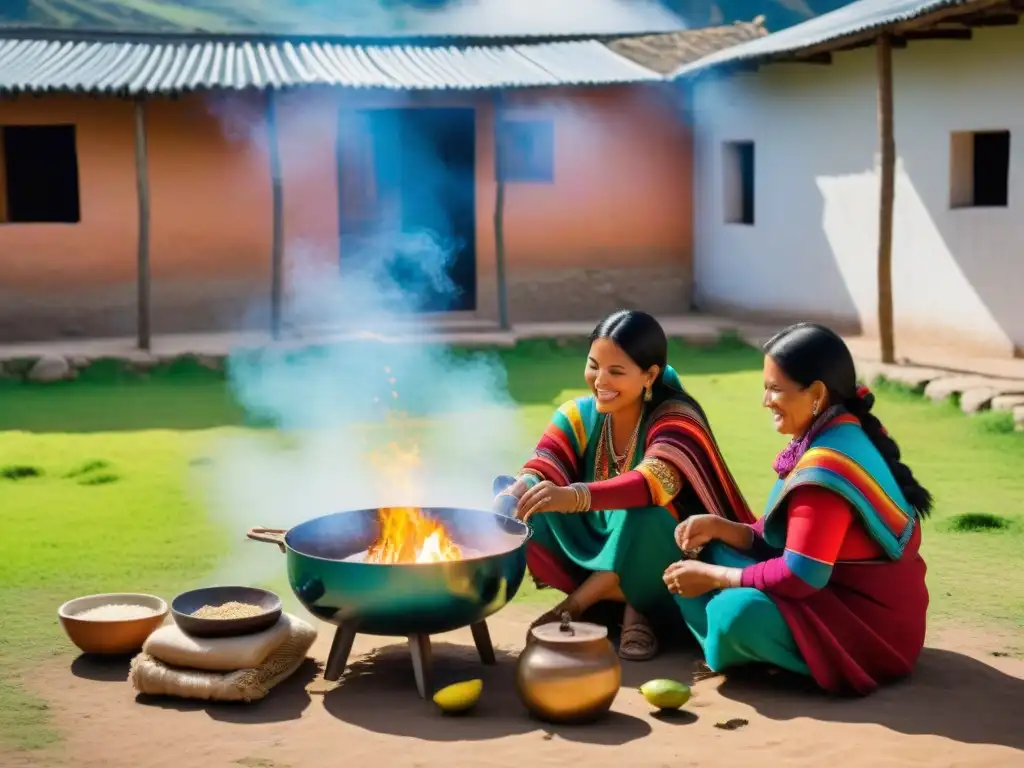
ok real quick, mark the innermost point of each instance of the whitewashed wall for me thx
(958, 273)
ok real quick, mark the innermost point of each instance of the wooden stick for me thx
(887, 195)
(277, 216)
(499, 218)
(142, 270)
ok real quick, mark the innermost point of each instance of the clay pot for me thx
(568, 672)
(111, 637)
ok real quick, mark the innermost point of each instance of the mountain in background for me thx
(508, 18)
(778, 14)
(353, 18)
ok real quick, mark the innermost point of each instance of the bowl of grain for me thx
(114, 624)
(225, 611)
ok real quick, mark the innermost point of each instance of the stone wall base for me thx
(553, 295)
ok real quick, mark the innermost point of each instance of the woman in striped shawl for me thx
(613, 475)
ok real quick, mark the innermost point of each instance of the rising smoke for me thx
(359, 383)
(333, 405)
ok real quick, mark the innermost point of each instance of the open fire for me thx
(407, 535)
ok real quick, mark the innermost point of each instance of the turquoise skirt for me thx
(739, 626)
(635, 544)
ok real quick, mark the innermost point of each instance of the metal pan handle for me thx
(268, 535)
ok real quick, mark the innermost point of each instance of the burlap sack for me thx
(171, 645)
(151, 676)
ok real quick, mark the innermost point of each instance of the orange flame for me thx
(407, 535)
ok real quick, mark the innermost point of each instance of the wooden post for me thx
(142, 272)
(277, 217)
(887, 195)
(499, 219)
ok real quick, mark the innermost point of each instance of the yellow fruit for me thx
(459, 697)
(665, 694)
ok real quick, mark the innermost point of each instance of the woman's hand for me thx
(696, 531)
(692, 578)
(545, 496)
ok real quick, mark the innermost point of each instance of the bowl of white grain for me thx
(113, 624)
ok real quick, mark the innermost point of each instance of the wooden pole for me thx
(142, 271)
(886, 198)
(277, 218)
(499, 219)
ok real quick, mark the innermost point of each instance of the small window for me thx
(526, 151)
(38, 174)
(979, 169)
(738, 182)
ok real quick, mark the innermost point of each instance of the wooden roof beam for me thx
(815, 58)
(990, 20)
(939, 34)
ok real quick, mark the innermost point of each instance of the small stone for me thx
(977, 399)
(78, 362)
(49, 369)
(139, 361)
(19, 366)
(211, 362)
(944, 388)
(912, 376)
(1007, 402)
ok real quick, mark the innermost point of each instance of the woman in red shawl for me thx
(829, 582)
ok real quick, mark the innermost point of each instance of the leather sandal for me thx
(638, 643)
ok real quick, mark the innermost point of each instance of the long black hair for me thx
(807, 353)
(643, 339)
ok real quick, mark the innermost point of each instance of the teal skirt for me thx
(739, 626)
(635, 544)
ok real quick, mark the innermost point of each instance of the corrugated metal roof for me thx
(345, 18)
(41, 66)
(857, 17)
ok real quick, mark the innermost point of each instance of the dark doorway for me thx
(410, 202)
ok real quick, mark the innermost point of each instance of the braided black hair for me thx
(807, 352)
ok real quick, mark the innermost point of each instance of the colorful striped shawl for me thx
(676, 432)
(842, 459)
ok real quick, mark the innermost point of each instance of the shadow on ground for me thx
(286, 702)
(378, 694)
(950, 695)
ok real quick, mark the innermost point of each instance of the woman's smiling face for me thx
(614, 378)
(792, 406)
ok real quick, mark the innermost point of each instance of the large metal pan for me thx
(402, 599)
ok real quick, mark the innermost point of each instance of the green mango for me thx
(665, 694)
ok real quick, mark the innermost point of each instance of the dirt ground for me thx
(962, 708)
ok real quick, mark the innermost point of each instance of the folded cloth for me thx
(171, 645)
(152, 676)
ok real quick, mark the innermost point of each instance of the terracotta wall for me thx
(614, 228)
(63, 278)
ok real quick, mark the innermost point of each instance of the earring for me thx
(814, 411)
(648, 394)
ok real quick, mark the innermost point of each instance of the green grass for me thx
(96, 490)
